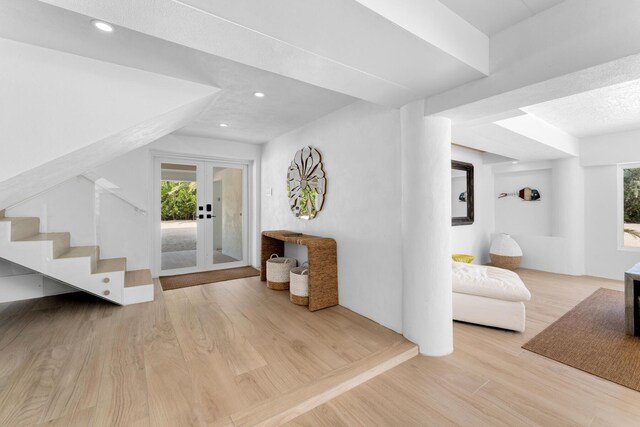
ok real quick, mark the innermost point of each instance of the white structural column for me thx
(426, 230)
(568, 195)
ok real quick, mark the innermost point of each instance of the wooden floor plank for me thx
(193, 356)
(490, 379)
(80, 418)
(225, 352)
(25, 398)
(78, 385)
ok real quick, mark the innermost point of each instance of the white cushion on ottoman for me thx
(490, 282)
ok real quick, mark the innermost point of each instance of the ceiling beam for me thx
(533, 128)
(335, 44)
(435, 23)
(576, 46)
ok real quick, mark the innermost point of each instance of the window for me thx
(631, 206)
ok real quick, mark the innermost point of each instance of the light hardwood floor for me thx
(232, 353)
(489, 380)
(204, 355)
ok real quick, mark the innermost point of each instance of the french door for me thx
(201, 215)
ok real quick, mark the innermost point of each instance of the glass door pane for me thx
(178, 216)
(227, 196)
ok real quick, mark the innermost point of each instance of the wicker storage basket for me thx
(508, 262)
(299, 289)
(278, 269)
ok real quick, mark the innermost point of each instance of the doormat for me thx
(193, 279)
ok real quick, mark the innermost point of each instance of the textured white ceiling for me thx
(611, 109)
(289, 103)
(339, 45)
(493, 16)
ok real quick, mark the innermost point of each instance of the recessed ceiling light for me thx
(102, 26)
(515, 162)
(223, 125)
(258, 94)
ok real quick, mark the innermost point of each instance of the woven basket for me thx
(508, 262)
(278, 269)
(299, 289)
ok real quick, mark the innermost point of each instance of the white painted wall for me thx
(610, 149)
(516, 216)
(19, 283)
(114, 225)
(474, 239)
(8, 269)
(551, 232)
(600, 156)
(30, 286)
(574, 229)
(360, 147)
(603, 256)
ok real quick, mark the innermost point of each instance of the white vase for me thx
(505, 252)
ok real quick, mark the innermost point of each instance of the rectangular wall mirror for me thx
(461, 193)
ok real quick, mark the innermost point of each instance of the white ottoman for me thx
(489, 296)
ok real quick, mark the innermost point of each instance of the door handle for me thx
(210, 216)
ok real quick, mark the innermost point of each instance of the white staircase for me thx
(80, 267)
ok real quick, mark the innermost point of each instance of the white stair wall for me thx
(19, 283)
(29, 286)
(109, 110)
(51, 255)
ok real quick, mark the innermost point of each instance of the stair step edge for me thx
(137, 278)
(43, 237)
(80, 252)
(18, 218)
(22, 227)
(110, 265)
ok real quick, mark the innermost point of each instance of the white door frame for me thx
(203, 165)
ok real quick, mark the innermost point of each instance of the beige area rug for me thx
(193, 279)
(591, 338)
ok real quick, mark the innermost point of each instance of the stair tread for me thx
(17, 218)
(137, 278)
(44, 236)
(80, 251)
(111, 264)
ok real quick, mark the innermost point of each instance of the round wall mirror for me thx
(306, 183)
